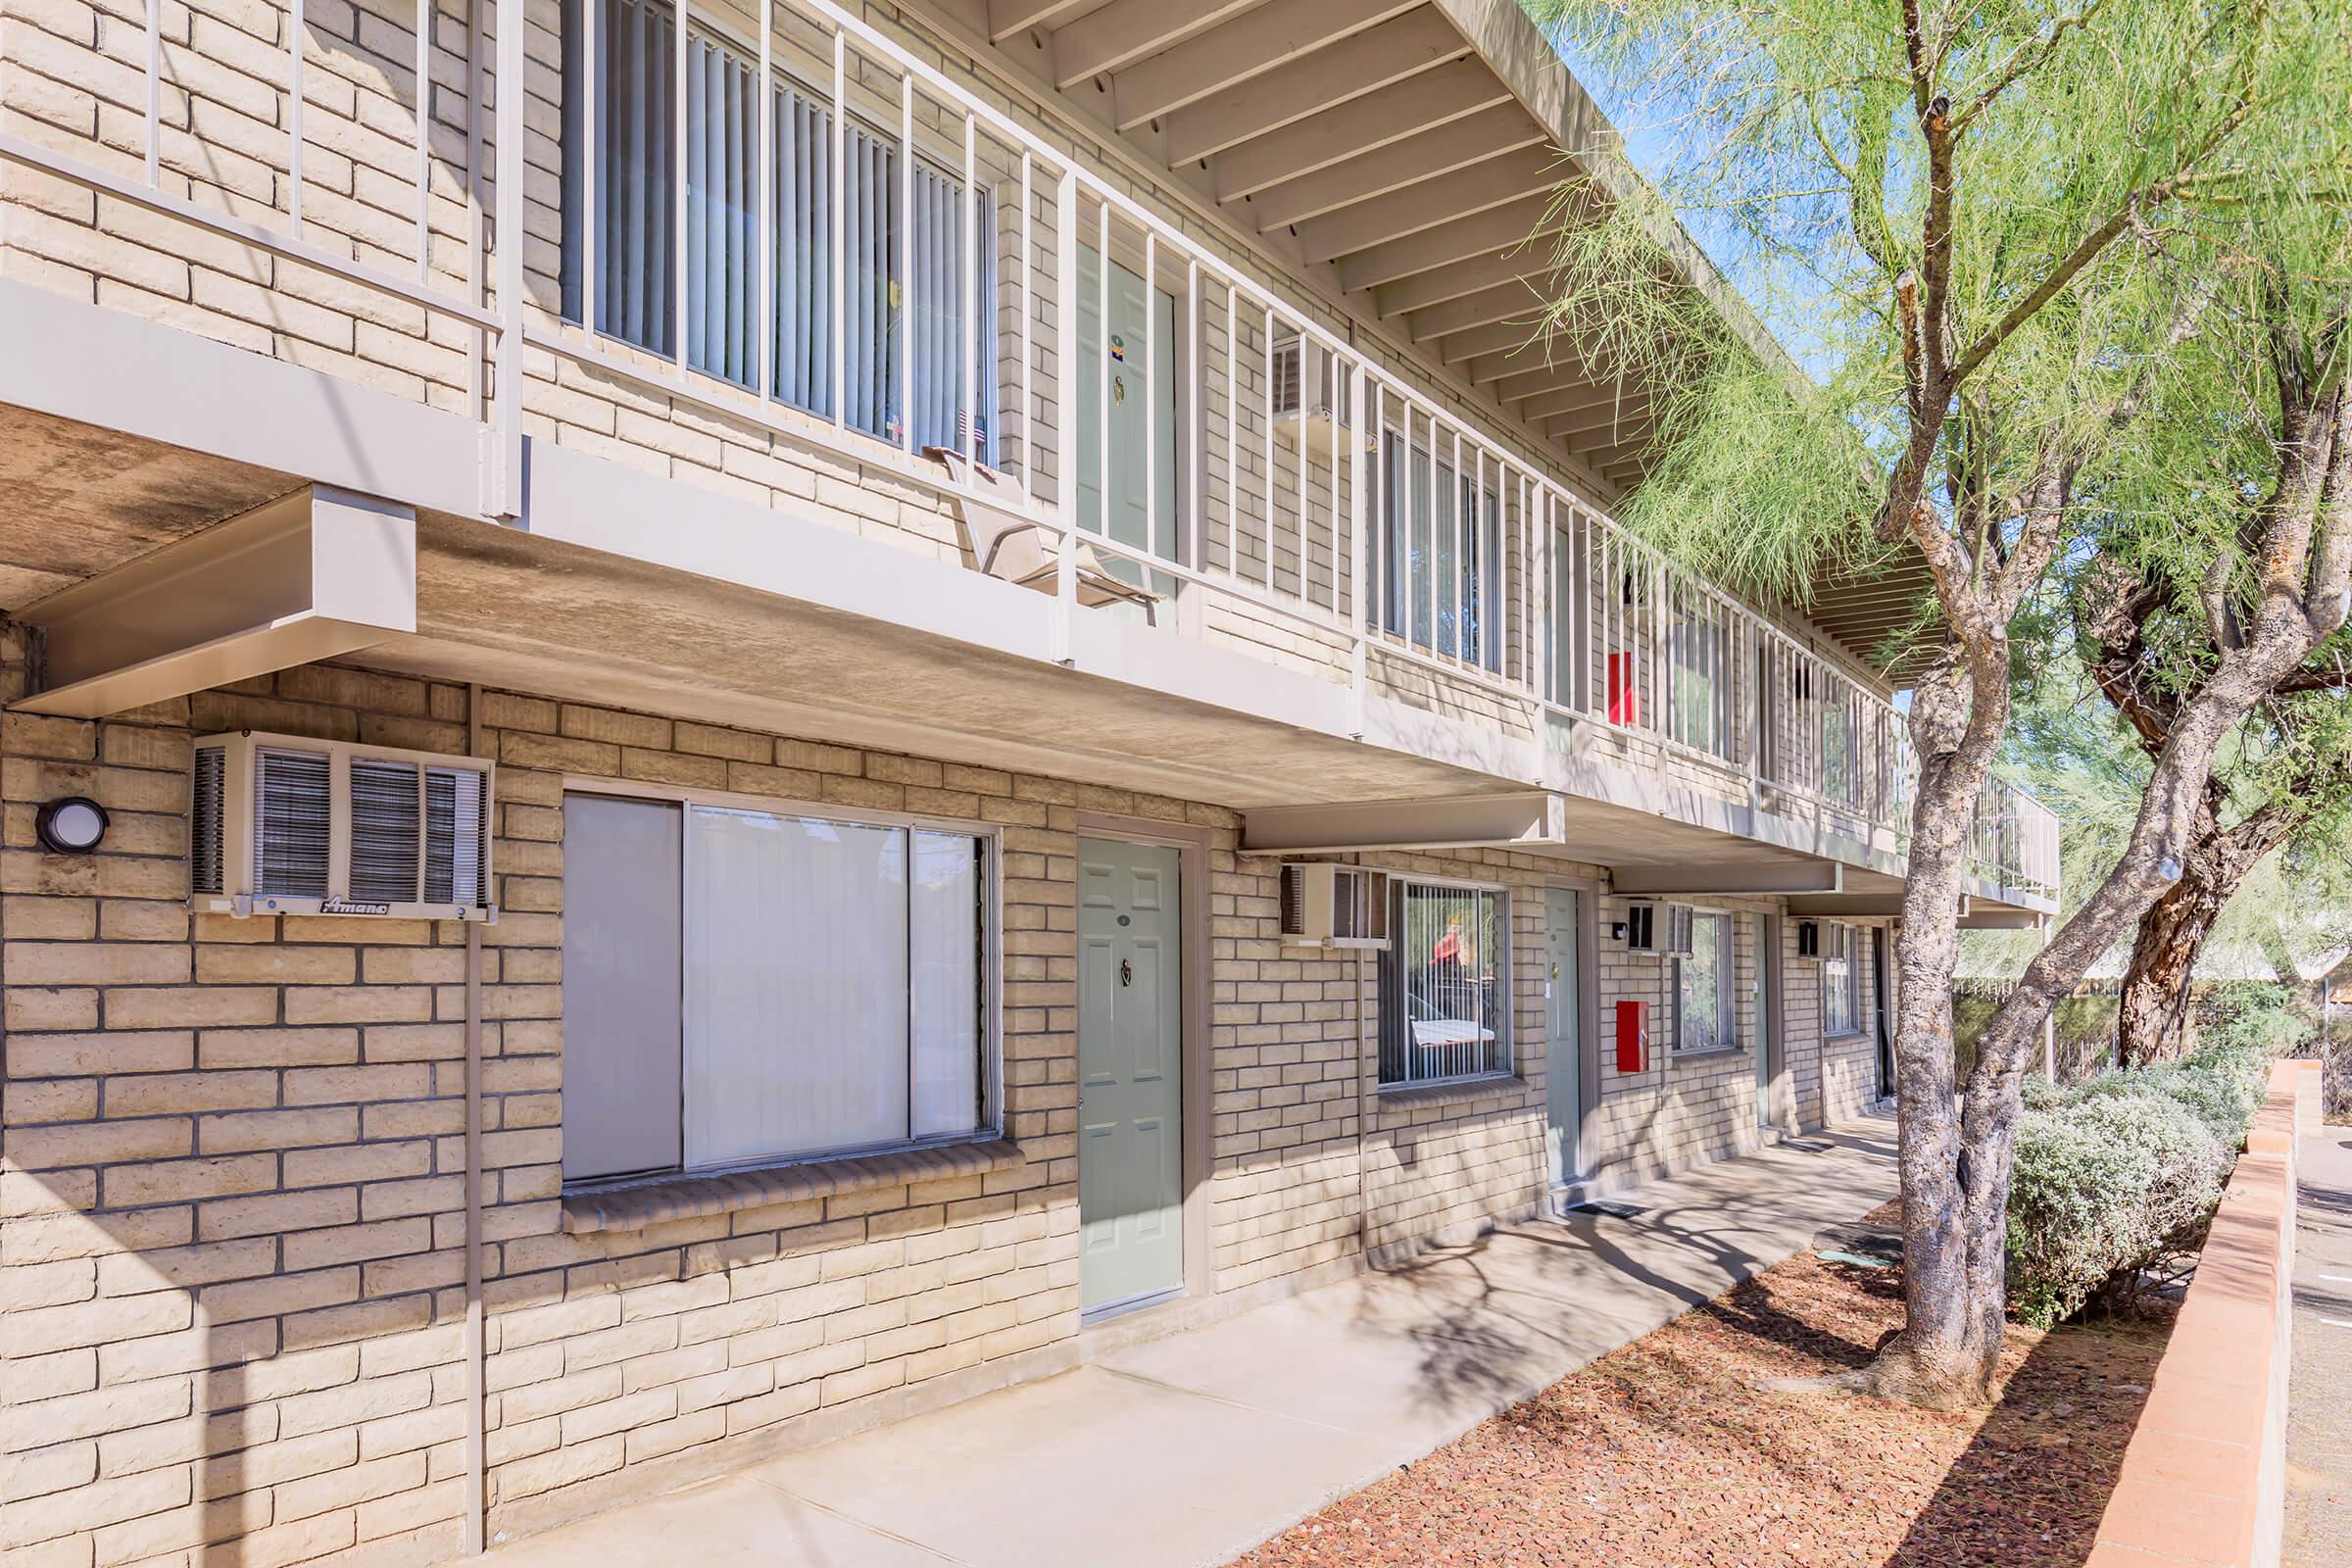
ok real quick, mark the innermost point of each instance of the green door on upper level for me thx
(1131, 498)
(1129, 1075)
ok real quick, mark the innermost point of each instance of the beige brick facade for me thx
(232, 1267)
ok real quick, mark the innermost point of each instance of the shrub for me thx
(2106, 1186)
(2123, 1172)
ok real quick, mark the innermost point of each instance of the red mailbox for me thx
(1633, 1037)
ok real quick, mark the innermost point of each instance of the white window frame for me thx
(991, 839)
(1845, 985)
(1727, 958)
(1506, 1054)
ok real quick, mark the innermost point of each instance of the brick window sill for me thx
(1405, 1096)
(633, 1206)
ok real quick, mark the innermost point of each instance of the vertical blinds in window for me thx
(634, 168)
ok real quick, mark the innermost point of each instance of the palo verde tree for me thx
(2147, 630)
(1987, 232)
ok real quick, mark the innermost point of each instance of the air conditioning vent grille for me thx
(1285, 374)
(1294, 901)
(456, 825)
(385, 831)
(208, 800)
(293, 823)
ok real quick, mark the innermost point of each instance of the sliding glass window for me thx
(620, 164)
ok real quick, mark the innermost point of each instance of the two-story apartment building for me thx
(725, 718)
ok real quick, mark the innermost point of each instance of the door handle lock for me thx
(1126, 973)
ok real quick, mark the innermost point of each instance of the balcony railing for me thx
(801, 222)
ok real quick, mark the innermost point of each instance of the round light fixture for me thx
(73, 825)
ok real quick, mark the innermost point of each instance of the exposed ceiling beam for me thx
(1628, 416)
(1357, 129)
(1127, 30)
(1509, 225)
(1594, 391)
(1354, 66)
(1272, 36)
(1008, 16)
(1451, 283)
(1428, 205)
(1514, 299)
(1497, 337)
(1464, 144)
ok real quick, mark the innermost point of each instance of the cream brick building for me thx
(703, 849)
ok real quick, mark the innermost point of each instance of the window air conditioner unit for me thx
(1809, 939)
(1328, 905)
(278, 824)
(1678, 930)
(1659, 928)
(1311, 401)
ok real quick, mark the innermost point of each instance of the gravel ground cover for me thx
(1667, 1454)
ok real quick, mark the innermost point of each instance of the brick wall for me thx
(232, 1206)
(232, 1254)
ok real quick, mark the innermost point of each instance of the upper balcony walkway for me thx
(792, 263)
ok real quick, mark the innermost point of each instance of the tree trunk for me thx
(2152, 1023)
(1947, 1354)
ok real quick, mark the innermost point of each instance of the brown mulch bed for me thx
(1666, 1454)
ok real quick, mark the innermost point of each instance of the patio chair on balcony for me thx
(1015, 548)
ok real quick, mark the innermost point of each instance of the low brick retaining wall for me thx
(2204, 1480)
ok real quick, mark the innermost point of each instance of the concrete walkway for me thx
(2319, 1436)
(1185, 1452)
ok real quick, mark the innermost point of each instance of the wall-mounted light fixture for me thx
(71, 825)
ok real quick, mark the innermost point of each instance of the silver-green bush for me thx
(2121, 1172)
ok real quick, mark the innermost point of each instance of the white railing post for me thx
(296, 26)
(1359, 508)
(1065, 347)
(506, 487)
(155, 84)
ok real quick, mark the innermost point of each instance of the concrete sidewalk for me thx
(1190, 1449)
(2319, 1438)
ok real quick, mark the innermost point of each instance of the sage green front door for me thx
(1129, 1076)
(1563, 1034)
(1125, 495)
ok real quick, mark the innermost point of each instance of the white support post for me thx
(1065, 346)
(1150, 397)
(1028, 326)
(155, 86)
(682, 47)
(1102, 348)
(296, 27)
(507, 382)
(1360, 508)
(1233, 432)
(841, 232)
(906, 277)
(1273, 459)
(763, 321)
(1196, 415)
(968, 229)
(592, 287)
(424, 133)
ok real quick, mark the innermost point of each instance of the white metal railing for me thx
(785, 180)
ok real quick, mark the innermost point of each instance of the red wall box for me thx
(1633, 1037)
